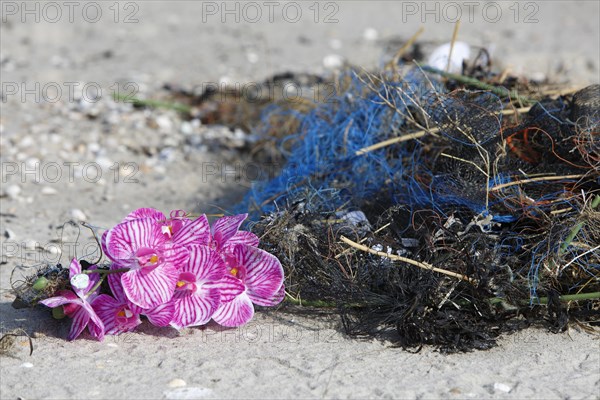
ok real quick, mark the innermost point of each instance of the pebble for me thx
(53, 249)
(48, 191)
(335, 44)
(9, 234)
(177, 383)
(30, 244)
(501, 387)
(333, 61)
(164, 123)
(27, 365)
(186, 128)
(13, 191)
(77, 214)
(252, 57)
(370, 34)
(189, 393)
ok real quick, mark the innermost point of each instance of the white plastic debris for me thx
(439, 57)
(80, 281)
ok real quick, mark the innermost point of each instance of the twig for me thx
(399, 139)
(408, 261)
(454, 36)
(540, 179)
(393, 63)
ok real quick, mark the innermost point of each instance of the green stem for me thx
(95, 287)
(152, 103)
(105, 271)
(575, 229)
(476, 83)
(574, 297)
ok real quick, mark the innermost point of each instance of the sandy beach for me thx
(69, 152)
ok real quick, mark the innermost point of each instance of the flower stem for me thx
(105, 271)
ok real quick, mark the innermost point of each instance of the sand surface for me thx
(74, 157)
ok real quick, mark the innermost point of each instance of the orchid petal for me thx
(194, 232)
(229, 287)
(106, 307)
(176, 255)
(150, 289)
(273, 301)
(95, 325)
(58, 301)
(161, 315)
(80, 321)
(196, 309)
(226, 227)
(74, 268)
(151, 213)
(235, 313)
(205, 264)
(125, 239)
(243, 237)
(264, 273)
(116, 287)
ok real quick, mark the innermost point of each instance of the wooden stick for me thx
(392, 141)
(407, 260)
(540, 179)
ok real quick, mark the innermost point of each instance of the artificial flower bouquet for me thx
(175, 271)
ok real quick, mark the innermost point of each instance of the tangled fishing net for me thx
(417, 206)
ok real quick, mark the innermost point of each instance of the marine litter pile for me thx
(425, 207)
(428, 210)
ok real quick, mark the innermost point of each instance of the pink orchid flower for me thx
(201, 287)
(77, 305)
(153, 260)
(117, 313)
(120, 315)
(262, 276)
(226, 234)
(178, 228)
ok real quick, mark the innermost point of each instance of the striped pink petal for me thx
(243, 237)
(193, 232)
(228, 286)
(116, 287)
(273, 301)
(264, 273)
(235, 313)
(149, 289)
(161, 315)
(107, 309)
(145, 213)
(95, 324)
(74, 268)
(175, 255)
(195, 309)
(62, 299)
(80, 321)
(205, 264)
(125, 239)
(226, 227)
